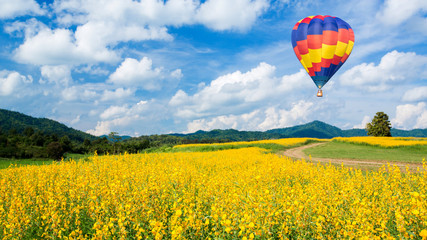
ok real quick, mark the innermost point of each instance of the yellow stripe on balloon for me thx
(349, 47)
(315, 55)
(303, 64)
(328, 51)
(307, 61)
(341, 48)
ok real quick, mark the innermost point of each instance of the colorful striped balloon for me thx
(322, 45)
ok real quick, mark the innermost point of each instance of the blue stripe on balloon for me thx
(342, 24)
(320, 81)
(301, 32)
(330, 23)
(315, 27)
(294, 42)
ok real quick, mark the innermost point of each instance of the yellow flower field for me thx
(232, 194)
(385, 141)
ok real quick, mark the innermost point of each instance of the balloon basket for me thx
(320, 93)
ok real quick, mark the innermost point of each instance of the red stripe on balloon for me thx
(306, 20)
(319, 17)
(326, 62)
(317, 67)
(336, 60)
(311, 72)
(344, 58)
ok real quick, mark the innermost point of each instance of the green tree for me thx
(54, 150)
(380, 126)
(115, 139)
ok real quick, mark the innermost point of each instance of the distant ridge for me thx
(18, 121)
(315, 129)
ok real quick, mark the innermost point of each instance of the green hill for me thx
(14, 120)
(315, 129)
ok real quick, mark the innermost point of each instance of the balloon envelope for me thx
(322, 44)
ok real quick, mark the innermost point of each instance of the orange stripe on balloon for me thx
(302, 47)
(330, 37)
(351, 34)
(314, 41)
(297, 53)
(343, 35)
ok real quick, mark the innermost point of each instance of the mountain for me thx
(14, 120)
(315, 129)
(228, 135)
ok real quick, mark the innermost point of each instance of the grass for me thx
(334, 149)
(8, 162)
(11, 162)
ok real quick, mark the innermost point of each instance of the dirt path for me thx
(357, 163)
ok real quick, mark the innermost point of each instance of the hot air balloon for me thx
(322, 45)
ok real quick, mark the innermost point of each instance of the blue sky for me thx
(152, 67)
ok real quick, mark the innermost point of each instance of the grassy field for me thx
(410, 154)
(8, 162)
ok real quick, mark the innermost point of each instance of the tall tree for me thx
(380, 126)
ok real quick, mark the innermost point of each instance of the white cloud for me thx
(14, 8)
(75, 120)
(396, 11)
(113, 111)
(366, 120)
(260, 119)
(395, 67)
(60, 75)
(141, 74)
(11, 82)
(215, 14)
(236, 92)
(409, 116)
(116, 117)
(93, 70)
(284, 118)
(415, 94)
(101, 25)
(59, 47)
(118, 93)
(79, 92)
(231, 15)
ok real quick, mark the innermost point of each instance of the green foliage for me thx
(380, 126)
(55, 150)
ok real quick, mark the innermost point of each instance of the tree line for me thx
(31, 143)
